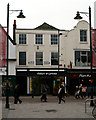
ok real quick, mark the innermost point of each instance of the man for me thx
(16, 94)
(61, 93)
(44, 92)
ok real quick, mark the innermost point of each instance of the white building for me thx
(37, 52)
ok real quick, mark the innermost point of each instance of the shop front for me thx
(11, 83)
(80, 78)
(34, 81)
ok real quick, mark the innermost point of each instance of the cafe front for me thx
(80, 78)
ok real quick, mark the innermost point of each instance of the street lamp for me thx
(7, 86)
(58, 48)
(79, 17)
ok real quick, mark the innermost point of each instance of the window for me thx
(83, 35)
(22, 38)
(82, 58)
(22, 58)
(39, 58)
(54, 58)
(39, 39)
(54, 39)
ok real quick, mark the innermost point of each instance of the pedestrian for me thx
(77, 92)
(16, 94)
(84, 88)
(44, 93)
(32, 93)
(61, 94)
(81, 95)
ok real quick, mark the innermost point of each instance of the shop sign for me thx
(43, 73)
(84, 75)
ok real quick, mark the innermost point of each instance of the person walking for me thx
(44, 92)
(77, 92)
(61, 94)
(16, 94)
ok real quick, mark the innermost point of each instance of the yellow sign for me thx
(58, 79)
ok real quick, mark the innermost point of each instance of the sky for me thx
(58, 13)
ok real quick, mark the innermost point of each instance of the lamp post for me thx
(58, 48)
(79, 17)
(7, 85)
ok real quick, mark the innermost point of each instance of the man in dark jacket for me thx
(61, 93)
(44, 92)
(16, 95)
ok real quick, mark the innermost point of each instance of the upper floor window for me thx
(22, 58)
(22, 38)
(82, 58)
(54, 39)
(39, 39)
(54, 58)
(83, 35)
(39, 58)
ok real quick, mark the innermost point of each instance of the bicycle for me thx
(94, 111)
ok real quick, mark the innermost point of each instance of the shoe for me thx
(15, 103)
(20, 102)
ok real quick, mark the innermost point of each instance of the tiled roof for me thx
(46, 26)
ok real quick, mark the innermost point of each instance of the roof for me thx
(8, 35)
(46, 26)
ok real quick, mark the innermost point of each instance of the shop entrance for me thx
(22, 81)
(73, 82)
(50, 82)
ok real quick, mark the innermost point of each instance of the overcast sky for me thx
(58, 13)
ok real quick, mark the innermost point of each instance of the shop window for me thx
(82, 58)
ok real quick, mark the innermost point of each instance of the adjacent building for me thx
(11, 60)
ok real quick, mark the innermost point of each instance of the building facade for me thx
(48, 56)
(11, 61)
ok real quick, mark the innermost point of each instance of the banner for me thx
(3, 37)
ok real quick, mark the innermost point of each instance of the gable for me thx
(46, 26)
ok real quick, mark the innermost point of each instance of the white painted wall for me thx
(69, 42)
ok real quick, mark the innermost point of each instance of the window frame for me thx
(54, 58)
(80, 59)
(54, 39)
(83, 36)
(21, 59)
(42, 57)
(23, 40)
(37, 38)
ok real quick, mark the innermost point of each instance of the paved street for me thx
(34, 108)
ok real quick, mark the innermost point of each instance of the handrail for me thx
(88, 100)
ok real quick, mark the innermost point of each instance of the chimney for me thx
(14, 28)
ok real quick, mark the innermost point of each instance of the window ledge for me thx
(22, 44)
(83, 42)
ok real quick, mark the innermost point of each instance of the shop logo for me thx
(82, 75)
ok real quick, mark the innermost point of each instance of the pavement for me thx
(35, 109)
